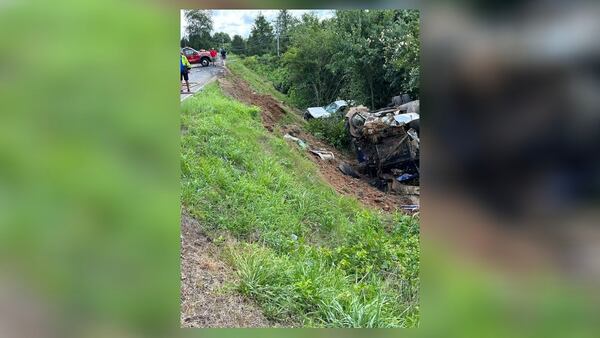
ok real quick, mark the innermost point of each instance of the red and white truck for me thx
(202, 57)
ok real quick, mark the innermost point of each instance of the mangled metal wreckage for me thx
(386, 143)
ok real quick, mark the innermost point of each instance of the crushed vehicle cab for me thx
(337, 107)
(386, 142)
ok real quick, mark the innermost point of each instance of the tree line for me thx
(366, 56)
(199, 29)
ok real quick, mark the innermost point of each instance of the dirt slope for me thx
(204, 302)
(272, 112)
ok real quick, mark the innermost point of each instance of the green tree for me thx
(184, 42)
(238, 45)
(202, 41)
(220, 39)
(199, 26)
(261, 37)
(401, 51)
(198, 21)
(361, 56)
(309, 62)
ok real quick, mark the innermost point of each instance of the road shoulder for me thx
(206, 301)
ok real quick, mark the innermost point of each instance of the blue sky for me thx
(240, 21)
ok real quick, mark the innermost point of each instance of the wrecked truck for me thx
(386, 143)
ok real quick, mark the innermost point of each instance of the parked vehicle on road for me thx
(338, 107)
(202, 57)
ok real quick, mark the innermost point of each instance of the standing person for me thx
(223, 55)
(213, 55)
(184, 67)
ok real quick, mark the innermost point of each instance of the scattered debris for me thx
(357, 109)
(323, 154)
(386, 142)
(347, 185)
(337, 107)
(348, 170)
(410, 207)
(271, 113)
(406, 177)
(405, 189)
(300, 142)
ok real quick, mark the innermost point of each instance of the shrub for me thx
(269, 67)
(332, 130)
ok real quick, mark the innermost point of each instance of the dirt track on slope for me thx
(272, 112)
(343, 184)
(204, 301)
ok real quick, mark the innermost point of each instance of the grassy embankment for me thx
(303, 252)
(330, 130)
(255, 80)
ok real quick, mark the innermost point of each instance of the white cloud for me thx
(240, 22)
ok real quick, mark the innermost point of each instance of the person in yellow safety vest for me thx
(184, 67)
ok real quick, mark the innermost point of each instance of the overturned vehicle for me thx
(386, 143)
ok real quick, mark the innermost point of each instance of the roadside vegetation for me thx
(331, 130)
(262, 81)
(305, 254)
(366, 56)
(363, 56)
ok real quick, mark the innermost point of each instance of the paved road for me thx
(199, 76)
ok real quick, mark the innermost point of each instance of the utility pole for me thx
(277, 32)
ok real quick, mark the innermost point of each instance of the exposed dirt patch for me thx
(204, 301)
(271, 109)
(271, 113)
(343, 184)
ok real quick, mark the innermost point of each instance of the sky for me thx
(240, 21)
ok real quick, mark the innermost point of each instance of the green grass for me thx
(303, 252)
(331, 130)
(263, 86)
(257, 82)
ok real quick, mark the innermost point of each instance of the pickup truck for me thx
(194, 56)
